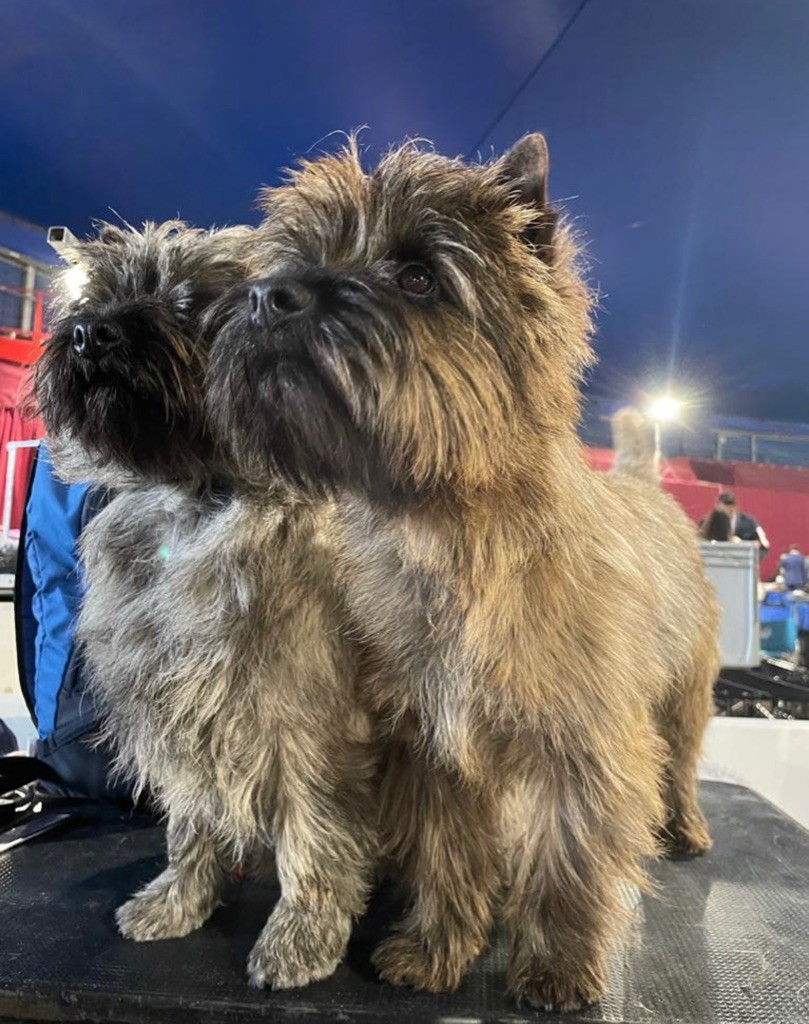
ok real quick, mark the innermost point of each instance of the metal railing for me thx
(8, 494)
(22, 343)
(711, 437)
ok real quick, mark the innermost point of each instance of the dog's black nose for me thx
(93, 339)
(274, 299)
(81, 336)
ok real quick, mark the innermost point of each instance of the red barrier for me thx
(717, 472)
(678, 469)
(781, 507)
(784, 517)
(697, 498)
(772, 478)
(753, 474)
(600, 458)
(17, 345)
(778, 496)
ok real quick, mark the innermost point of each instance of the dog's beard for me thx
(137, 407)
(369, 396)
(300, 402)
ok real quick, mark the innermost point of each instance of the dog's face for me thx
(122, 375)
(405, 326)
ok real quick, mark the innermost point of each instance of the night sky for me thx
(679, 134)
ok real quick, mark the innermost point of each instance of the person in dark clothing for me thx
(715, 526)
(742, 525)
(792, 566)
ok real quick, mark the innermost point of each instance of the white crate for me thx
(732, 567)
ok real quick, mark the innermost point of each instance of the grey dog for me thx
(210, 625)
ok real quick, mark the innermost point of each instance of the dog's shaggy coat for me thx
(544, 637)
(211, 625)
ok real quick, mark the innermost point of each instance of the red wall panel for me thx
(784, 517)
(783, 513)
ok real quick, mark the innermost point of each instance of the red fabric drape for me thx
(13, 380)
(15, 427)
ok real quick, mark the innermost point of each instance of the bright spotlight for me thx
(73, 280)
(664, 409)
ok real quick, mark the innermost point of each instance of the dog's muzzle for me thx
(93, 339)
(278, 299)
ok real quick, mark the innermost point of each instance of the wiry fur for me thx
(210, 625)
(226, 684)
(135, 413)
(544, 637)
(635, 453)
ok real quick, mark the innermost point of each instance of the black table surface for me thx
(726, 940)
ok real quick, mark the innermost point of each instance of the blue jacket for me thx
(49, 588)
(793, 569)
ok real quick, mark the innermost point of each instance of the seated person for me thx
(792, 566)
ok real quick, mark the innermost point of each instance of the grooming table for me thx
(726, 942)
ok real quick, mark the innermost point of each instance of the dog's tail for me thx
(633, 440)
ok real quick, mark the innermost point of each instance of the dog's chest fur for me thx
(211, 632)
(398, 577)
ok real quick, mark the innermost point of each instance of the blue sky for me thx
(679, 134)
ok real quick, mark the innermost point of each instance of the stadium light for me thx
(663, 409)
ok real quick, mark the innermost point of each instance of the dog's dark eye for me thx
(416, 280)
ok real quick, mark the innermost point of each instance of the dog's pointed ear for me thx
(524, 169)
(110, 234)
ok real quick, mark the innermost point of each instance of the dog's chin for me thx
(106, 393)
(286, 419)
(133, 431)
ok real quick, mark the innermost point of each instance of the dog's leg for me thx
(682, 721)
(586, 829)
(442, 836)
(325, 854)
(183, 896)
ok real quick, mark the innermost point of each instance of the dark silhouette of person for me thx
(715, 526)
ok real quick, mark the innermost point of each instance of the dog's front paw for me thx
(147, 917)
(403, 959)
(159, 911)
(298, 946)
(549, 988)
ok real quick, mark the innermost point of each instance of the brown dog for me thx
(545, 638)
